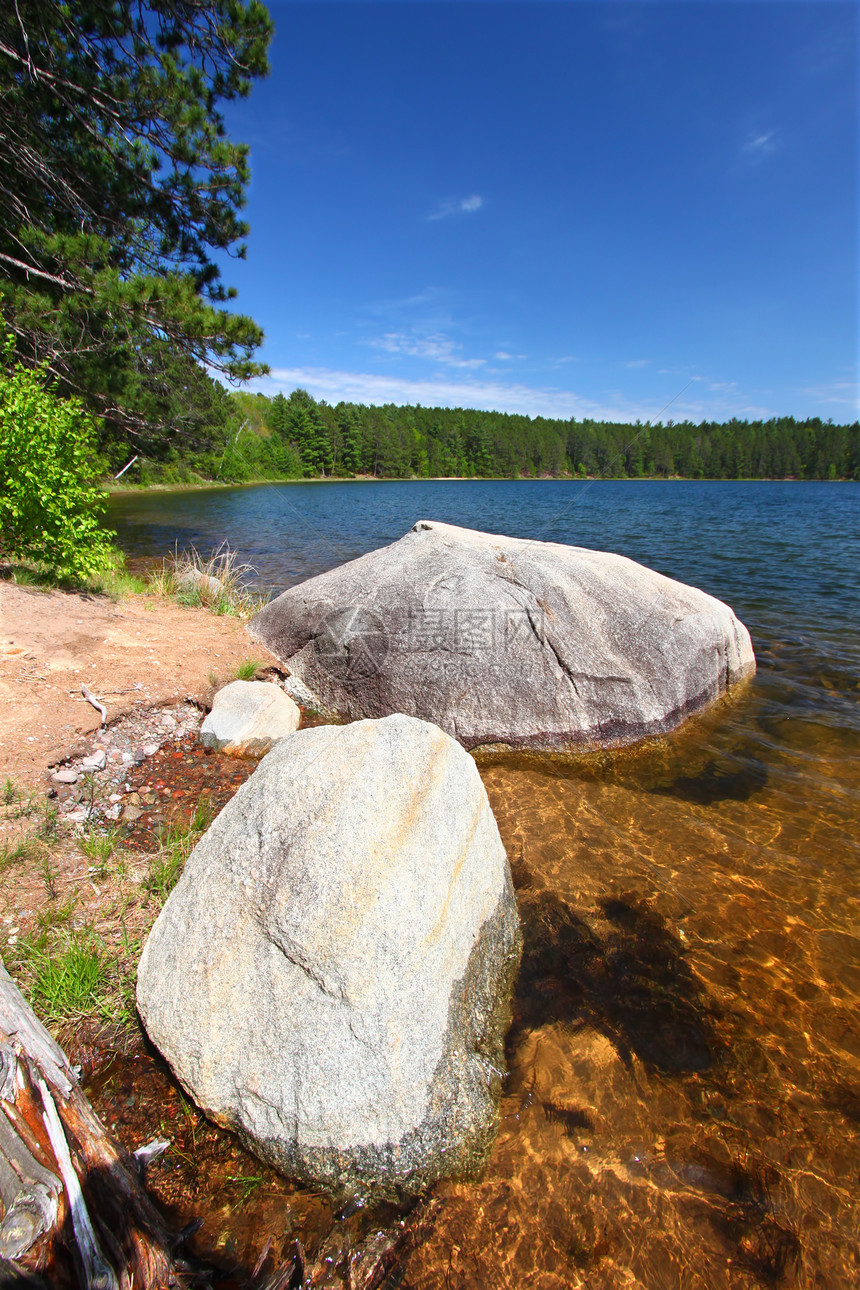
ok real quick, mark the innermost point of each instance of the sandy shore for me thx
(142, 652)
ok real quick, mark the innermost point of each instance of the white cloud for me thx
(436, 346)
(760, 145)
(502, 355)
(370, 387)
(843, 394)
(638, 362)
(723, 400)
(457, 206)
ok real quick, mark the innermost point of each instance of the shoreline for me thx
(217, 485)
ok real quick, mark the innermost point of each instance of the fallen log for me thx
(62, 1176)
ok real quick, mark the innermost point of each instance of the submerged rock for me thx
(502, 640)
(248, 718)
(330, 977)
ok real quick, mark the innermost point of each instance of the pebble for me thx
(132, 739)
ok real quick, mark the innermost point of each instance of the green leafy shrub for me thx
(49, 499)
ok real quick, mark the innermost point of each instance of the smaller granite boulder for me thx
(331, 976)
(248, 718)
(206, 584)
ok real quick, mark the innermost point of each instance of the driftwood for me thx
(96, 703)
(61, 1174)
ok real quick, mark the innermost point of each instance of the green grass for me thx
(56, 915)
(10, 792)
(177, 843)
(247, 1184)
(115, 582)
(99, 846)
(248, 669)
(50, 874)
(49, 823)
(24, 806)
(19, 852)
(66, 972)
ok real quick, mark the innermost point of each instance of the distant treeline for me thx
(300, 438)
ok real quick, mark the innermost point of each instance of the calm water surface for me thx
(683, 1105)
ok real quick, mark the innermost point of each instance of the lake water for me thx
(683, 1104)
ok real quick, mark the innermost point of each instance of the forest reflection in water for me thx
(683, 1102)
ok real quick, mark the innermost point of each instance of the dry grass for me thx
(218, 583)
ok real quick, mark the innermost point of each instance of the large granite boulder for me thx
(331, 975)
(503, 640)
(248, 718)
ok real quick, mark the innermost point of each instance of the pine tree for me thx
(118, 186)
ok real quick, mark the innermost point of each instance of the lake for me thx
(683, 1102)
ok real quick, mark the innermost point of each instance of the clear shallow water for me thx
(683, 1107)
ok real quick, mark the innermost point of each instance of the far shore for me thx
(207, 485)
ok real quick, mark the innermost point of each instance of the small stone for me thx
(115, 797)
(139, 756)
(64, 777)
(248, 718)
(95, 761)
(127, 759)
(149, 750)
(204, 583)
(131, 813)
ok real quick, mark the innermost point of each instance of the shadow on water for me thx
(718, 782)
(764, 1245)
(760, 1241)
(629, 980)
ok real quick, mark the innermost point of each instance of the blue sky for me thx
(567, 209)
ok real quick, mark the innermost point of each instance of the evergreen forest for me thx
(254, 437)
